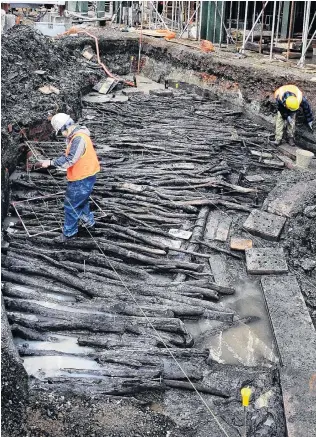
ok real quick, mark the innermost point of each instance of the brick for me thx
(240, 243)
(264, 224)
(266, 260)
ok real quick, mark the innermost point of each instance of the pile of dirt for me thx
(31, 61)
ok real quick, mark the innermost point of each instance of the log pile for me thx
(128, 291)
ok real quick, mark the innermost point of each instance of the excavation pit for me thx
(134, 292)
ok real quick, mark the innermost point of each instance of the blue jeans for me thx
(77, 206)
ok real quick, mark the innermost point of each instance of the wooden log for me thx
(184, 385)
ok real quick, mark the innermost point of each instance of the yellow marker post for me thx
(177, 85)
(245, 398)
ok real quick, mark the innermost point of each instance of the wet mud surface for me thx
(95, 320)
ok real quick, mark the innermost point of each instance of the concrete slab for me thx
(264, 224)
(294, 332)
(217, 226)
(299, 399)
(219, 270)
(266, 260)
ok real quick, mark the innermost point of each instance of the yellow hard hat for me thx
(292, 103)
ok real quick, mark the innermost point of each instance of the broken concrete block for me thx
(292, 199)
(88, 52)
(132, 91)
(265, 261)
(105, 86)
(217, 226)
(310, 211)
(240, 243)
(180, 233)
(308, 264)
(264, 224)
(161, 93)
(274, 162)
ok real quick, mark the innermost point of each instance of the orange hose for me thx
(74, 30)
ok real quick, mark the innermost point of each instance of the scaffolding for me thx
(282, 28)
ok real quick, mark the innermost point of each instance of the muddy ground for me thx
(168, 147)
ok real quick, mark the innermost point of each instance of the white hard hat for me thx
(60, 120)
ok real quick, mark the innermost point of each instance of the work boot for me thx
(63, 239)
(275, 143)
(291, 142)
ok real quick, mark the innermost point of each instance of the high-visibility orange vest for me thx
(289, 88)
(87, 165)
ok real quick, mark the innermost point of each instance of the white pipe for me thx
(245, 25)
(220, 32)
(253, 18)
(215, 19)
(200, 21)
(230, 21)
(278, 23)
(301, 62)
(258, 18)
(272, 31)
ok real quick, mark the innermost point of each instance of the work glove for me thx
(310, 125)
(290, 120)
(46, 163)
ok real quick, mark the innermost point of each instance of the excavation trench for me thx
(115, 325)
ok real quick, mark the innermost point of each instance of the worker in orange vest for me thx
(81, 162)
(289, 99)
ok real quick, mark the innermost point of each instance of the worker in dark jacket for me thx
(82, 165)
(289, 99)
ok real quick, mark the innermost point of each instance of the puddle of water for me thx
(48, 366)
(248, 344)
(63, 343)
